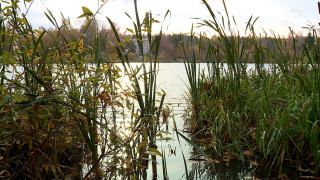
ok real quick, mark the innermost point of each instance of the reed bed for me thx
(269, 115)
(63, 108)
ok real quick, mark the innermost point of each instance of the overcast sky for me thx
(275, 15)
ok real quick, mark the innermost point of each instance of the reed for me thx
(269, 113)
(60, 103)
(147, 122)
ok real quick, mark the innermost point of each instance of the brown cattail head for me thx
(319, 7)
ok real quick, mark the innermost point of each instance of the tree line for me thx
(100, 36)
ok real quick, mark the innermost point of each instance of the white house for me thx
(146, 47)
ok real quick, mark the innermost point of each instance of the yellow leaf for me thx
(80, 46)
(122, 44)
(155, 151)
(136, 115)
(127, 39)
(30, 52)
(105, 67)
(87, 11)
(37, 31)
(28, 38)
(130, 30)
(36, 60)
(254, 163)
(22, 20)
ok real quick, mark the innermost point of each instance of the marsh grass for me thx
(148, 121)
(269, 114)
(60, 104)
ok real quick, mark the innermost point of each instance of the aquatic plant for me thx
(269, 113)
(148, 120)
(61, 102)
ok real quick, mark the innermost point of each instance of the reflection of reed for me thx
(220, 171)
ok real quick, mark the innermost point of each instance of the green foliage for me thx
(271, 112)
(61, 95)
(148, 120)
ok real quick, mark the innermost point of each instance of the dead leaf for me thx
(254, 163)
(310, 177)
(248, 153)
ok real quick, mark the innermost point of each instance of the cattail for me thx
(319, 7)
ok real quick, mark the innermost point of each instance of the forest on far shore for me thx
(169, 50)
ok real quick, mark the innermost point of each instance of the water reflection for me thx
(171, 78)
(235, 170)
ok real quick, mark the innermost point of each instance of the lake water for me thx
(172, 78)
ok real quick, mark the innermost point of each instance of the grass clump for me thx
(267, 114)
(64, 112)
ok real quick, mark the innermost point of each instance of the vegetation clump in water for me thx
(269, 114)
(64, 112)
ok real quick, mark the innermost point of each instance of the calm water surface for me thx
(172, 78)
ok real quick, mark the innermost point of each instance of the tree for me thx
(310, 40)
(89, 29)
